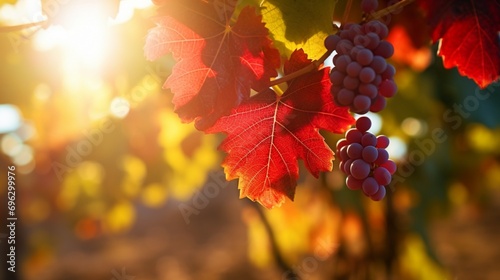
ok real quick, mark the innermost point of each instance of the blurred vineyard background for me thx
(110, 185)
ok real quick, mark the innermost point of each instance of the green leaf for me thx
(299, 24)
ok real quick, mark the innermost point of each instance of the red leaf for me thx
(267, 134)
(469, 36)
(218, 62)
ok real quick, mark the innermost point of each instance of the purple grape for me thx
(378, 64)
(353, 183)
(363, 124)
(331, 42)
(355, 50)
(362, 40)
(345, 97)
(378, 104)
(344, 46)
(368, 90)
(368, 6)
(372, 40)
(341, 143)
(359, 169)
(390, 166)
(353, 69)
(361, 103)
(335, 89)
(369, 154)
(382, 176)
(366, 75)
(351, 83)
(383, 156)
(354, 150)
(343, 153)
(342, 61)
(377, 27)
(370, 186)
(389, 72)
(382, 142)
(353, 135)
(368, 139)
(384, 49)
(347, 166)
(387, 88)
(336, 77)
(364, 57)
(379, 194)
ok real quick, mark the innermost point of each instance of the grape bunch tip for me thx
(365, 161)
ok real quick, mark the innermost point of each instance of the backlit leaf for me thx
(267, 134)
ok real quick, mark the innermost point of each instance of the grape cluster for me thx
(365, 161)
(361, 78)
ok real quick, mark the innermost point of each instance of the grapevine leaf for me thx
(218, 61)
(469, 36)
(267, 134)
(299, 24)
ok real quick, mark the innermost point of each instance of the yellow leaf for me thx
(299, 24)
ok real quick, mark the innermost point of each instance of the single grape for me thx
(368, 6)
(359, 169)
(355, 50)
(370, 186)
(334, 89)
(368, 90)
(382, 176)
(353, 183)
(343, 153)
(378, 64)
(382, 141)
(369, 154)
(363, 124)
(344, 46)
(379, 194)
(353, 69)
(377, 27)
(372, 40)
(390, 166)
(368, 139)
(378, 104)
(361, 103)
(387, 88)
(354, 150)
(347, 166)
(337, 77)
(345, 97)
(342, 62)
(341, 143)
(383, 156)
(384, 49)
(353, 135)
(351, 83)
(367, 75)
(389, 72)
(361, 40)
(331, 42)
(364, 57)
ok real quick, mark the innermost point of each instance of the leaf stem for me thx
(20, 27)
(310, 67)
(389, 9)
(346, 12)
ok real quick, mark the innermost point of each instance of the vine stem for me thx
(278, 257)
(311, 67)
(389, 9)
(13, 28)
